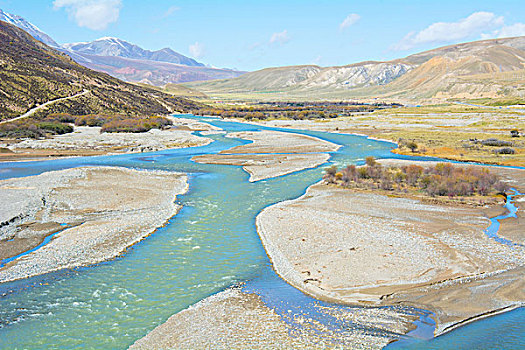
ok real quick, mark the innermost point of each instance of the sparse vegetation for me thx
(443, 179)
(496, 142)
(292, 110)
(60, 123)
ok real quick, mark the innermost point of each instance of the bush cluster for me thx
(443, 179)
(60, 123)
(505, 150)
(496, 143)
(30, 128)
(293, 110)
(135, 125)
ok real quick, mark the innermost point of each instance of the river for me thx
(210, 245)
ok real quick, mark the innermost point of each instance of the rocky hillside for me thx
(489, 68)
(478, 73)
(304, 78)
(32, 73)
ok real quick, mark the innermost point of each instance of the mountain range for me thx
(481, 69)
(490, 68)
(32, 73)
(128, 61)
(115, 47)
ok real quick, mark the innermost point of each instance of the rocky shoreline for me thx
(95, 213)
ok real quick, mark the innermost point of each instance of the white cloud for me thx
(170, 11)
(516, 29)
(351, 19)
(281, 38)
(442, 32)
(92, 14)
(197, 50)
(254, 46)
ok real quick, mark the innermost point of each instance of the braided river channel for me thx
(210, 245)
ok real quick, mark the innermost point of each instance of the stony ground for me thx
(234, 319)
(273, 153)
(105, 210)
(356, 247)
(85, 141)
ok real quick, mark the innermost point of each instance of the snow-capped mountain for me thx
(28, 27)
(127, 61)
(115, 47)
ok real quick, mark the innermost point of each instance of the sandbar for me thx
(94, 212)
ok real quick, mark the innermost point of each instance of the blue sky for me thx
(250, 35)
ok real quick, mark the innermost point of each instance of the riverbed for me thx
(210, 245)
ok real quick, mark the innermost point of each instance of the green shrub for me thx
(505, 150)
(496, 143)
(55, 127)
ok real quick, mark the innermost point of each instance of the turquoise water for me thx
(504, 331)
(210, 245)
(492, 230)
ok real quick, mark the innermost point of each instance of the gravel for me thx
(107, 209)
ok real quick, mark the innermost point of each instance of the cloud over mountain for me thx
(441, 32)
(197, 49)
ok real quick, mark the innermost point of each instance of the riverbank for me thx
(236, 319)
(368, 249)
(272, 153)
(94, 213)
(449, 133)
(89, 141)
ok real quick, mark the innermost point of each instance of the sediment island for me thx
(92, 214)
(367, 248)
(272, 153)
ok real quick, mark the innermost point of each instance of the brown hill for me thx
(468, 70)
(32, 73)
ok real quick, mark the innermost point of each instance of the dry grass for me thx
(456, 145)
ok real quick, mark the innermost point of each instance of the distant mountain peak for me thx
(33, 30)
(109, 38)
(115, 47)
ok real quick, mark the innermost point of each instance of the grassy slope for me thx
(32, 73)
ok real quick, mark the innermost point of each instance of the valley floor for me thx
(360, 248)
(451, 132)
